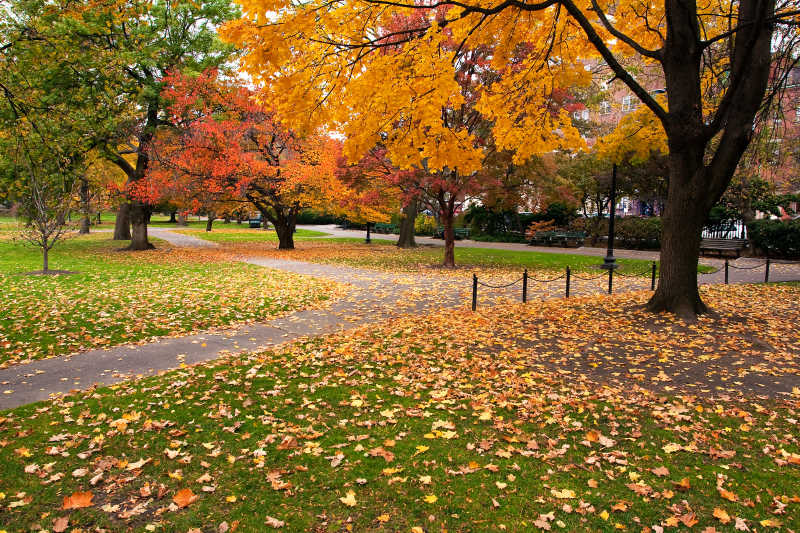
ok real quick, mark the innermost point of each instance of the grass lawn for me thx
(456, 421)
(233, 234)
(118, 297)
(382, 254)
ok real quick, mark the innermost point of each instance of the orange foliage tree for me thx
(227, 148)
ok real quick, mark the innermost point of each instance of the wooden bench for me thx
(560, 238)
(381, 227)
(459, 233)
(723, 245)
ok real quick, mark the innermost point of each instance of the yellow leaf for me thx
(349, 499)
(721, 515)
(430, 498)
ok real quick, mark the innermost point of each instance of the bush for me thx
(775, 238)
(424, 224)
(309, 216)
(629, 232)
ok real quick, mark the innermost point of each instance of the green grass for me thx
(395, 416)
(383, 254)
(244, 234)
(118, 297)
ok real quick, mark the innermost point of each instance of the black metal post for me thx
(474, 291)
(525, 286)
(568, 278)
(766, 272)
(610, 280)
(653, 277)
(367, 240)
(609, 262)
(726, 272)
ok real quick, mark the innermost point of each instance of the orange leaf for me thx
(78, 500)
(728, 495)
(722, 515)
(184, 497)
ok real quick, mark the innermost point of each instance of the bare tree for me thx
(44, 210)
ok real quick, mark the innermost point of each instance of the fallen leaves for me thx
(349, 499)
(184, 498)
(78, 500)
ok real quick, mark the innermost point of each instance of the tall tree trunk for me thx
(99, 221)
(406, 239)
(172, 218)
(285, 233)
(680, 252)
(449, 241)
(139, 217)
(85, 218)
(210, 221)
(45, 259)
(122, 227)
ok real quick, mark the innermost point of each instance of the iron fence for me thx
(569, 276)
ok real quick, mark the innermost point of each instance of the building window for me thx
(797, 114)
(605, 108)
(629, 103)
(581, 114)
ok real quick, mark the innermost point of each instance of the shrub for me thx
(629, 232)
(775, 238)
(424, 224)
(310, 216)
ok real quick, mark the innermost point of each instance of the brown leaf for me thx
(60, 524)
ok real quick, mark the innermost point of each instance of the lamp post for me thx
(609, 262)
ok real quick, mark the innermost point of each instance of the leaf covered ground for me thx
(384, 255)
(118, 297)
(455, 421)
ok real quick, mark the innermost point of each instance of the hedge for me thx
(629, 232)
(775, 238)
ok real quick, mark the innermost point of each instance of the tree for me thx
(225, 148)
(49, 94)
(44, 209)
(343, 62)
(148, 41)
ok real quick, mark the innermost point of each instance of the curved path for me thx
(373, 296)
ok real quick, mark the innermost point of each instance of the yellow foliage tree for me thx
(388, 70)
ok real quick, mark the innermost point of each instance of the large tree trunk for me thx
(172, 218)
(406, 238)
(683, 223)
(449, 241)
(285, 233)
(210, 221)
(139, 216)
(122, 227)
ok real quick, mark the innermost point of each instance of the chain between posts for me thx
(569, 276)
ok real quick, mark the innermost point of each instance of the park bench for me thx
(723, 245)
(558, 238)
(459, 233)
(381, 227)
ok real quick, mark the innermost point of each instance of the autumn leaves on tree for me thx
(389, 73)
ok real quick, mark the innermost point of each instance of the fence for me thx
(732, 230)
(568, 276)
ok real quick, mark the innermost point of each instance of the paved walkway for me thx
(374, 296)
(336, 231)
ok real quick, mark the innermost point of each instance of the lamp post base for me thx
(609, 263)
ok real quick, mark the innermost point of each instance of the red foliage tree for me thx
(227, 148)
